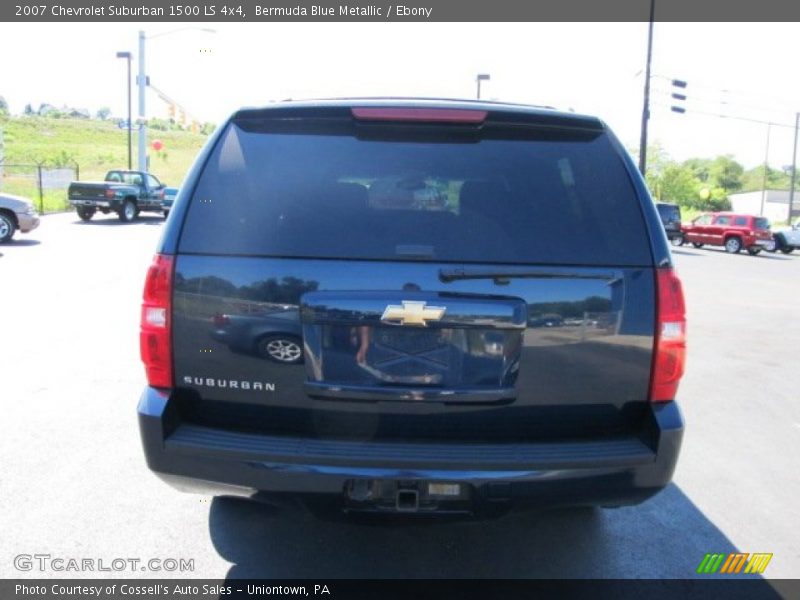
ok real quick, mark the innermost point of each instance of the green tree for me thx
(753, 179)
(679, 185)
(726, 173)
(3, 107)
(103, 113)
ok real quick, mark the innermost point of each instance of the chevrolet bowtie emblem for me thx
(412, 312)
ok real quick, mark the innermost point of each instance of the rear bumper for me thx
(614, 471)
(27, 222)
(107, 204)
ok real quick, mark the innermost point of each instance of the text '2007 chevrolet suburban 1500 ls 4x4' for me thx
(463, 305)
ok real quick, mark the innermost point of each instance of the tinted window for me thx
(564, 199)
(740, 221)
(669, 212)
(761, 223)
(722, 220)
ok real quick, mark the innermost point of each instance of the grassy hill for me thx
(95, 146)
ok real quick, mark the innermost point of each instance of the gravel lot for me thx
(75, 482)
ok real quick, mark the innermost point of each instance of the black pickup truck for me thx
(126, 193)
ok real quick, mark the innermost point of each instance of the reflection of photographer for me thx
(362, 337)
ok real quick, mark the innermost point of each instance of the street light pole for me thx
(127, 56)
(794, 168)
(479, 78)
(766, 171)
(141, 81)
(646, 107)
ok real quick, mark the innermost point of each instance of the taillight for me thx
(669, 354)
(220, 320)
(430, 115)
(155, 340)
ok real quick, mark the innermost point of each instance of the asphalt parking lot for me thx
(75, 484)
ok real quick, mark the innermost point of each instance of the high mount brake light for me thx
(155, 339)
(427, 115)
(669, 354)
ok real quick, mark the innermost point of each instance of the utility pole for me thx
(141, 81)
(646, 107)
(794, 168)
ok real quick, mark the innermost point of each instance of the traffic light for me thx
(678, 98)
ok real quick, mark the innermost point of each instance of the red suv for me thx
(733, 231)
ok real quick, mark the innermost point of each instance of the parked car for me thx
(126, 193)
(16, 213)
(731, 230)
(423, 387)
(671, 219)
(787, 240)
(169, 199)
(274, 334)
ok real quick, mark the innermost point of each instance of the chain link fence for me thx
(43, 184)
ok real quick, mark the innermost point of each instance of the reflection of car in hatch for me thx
(275, 335)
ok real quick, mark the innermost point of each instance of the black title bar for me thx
(413, 10)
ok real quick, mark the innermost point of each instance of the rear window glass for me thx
(669, 212)
(124, 177)
(761, 223)
(266, 192)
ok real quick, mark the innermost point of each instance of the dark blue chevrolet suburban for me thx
(414, 305)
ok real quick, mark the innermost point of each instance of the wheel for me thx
(284, 349)
(753, 251)
(771, 246)
(166, 213)
(85, 214)
(7, 227)
(733, 245)
(128, 211)
(697, 245)
(787, 249)
(677, 241)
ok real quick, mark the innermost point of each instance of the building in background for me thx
(776, 204)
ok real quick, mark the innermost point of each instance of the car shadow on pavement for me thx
(668, 536)
(113, 220)
(21, 243)
(687, 252)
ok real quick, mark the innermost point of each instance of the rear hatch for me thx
(482, 277)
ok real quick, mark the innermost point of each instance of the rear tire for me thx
(787, 249)
(733, 245)
(753, 251)
(677, 241)
(166, 213)
(7, 228)
(128, 211)
(86, 214)
(697, 244)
